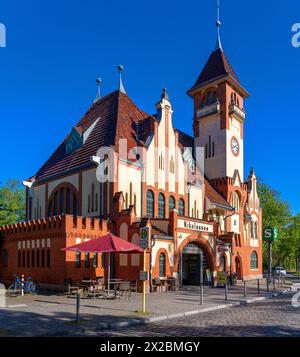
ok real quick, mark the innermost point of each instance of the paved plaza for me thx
(52, 314)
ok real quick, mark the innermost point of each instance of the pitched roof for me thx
(216, 66)
(214, 196)
(114, 116)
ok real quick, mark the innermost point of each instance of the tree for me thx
(276, 213)
(12, 203)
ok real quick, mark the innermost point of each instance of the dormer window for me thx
(74, 141)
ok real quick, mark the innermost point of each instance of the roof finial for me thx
(218, 44)
(164, 94)
(98, 80)
(121, 86)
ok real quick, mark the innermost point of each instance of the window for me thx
(93, 198)
(95, 260)
(150, 204)
(75, 210)
(181, 207)
(209, 98)
(38, 258)
(5, 258)
(48, 258)
(162, 265)
(89, 203)
(55, 211)
(254, 260)
(161, 206)
(78, 260)
(23, 259)
(96, 202)
(223, 261)
(172, 165)
(43, 258)
(62, 201)
(33, 258)
(235, 201)
(68, 201)
(28, 259)
(87, 260)
(255, 230)
(171, 203)
(19, 259)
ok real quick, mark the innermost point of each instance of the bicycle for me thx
(29, 287)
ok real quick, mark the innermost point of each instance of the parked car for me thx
(280, 271)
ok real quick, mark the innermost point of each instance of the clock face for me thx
(235, 146)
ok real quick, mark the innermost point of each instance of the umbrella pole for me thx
(108, 274)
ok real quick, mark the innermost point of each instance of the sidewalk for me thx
(53, 315)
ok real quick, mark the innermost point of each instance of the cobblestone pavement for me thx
(274, 317)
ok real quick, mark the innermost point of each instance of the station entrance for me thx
(191, 265)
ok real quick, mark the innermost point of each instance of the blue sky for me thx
(56, 49)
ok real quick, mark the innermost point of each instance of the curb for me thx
(135, 322)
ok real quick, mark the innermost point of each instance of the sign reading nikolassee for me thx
(195, 226)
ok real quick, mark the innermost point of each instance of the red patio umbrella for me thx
(105, 244)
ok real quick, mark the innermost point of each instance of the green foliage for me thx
(12, 203)
(276, 212)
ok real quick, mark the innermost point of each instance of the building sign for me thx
(144, 237)
(195, 226)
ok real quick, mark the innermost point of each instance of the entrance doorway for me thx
(191, 265)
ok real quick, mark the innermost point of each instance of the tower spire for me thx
(218, 23)
(98, 80)
(121, 86)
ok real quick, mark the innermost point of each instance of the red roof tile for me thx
(116, 114)
(216, 66)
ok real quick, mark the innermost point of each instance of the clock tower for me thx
(219, 115)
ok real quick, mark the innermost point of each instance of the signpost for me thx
(144, 243)
(270, 235)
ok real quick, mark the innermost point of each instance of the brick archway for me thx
(203, 244)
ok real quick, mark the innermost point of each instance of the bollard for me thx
(2, 296)
(22, 284)
(267, 284)
(258, 287)
(201, 294)
(226, 291)
(245, 290)
(77, 306)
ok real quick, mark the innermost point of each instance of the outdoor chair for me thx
(134, 286)
(171, 283)
(156, 284)
(124, 288)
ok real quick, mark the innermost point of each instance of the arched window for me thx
(236, 201)
(223, 262)
(181, 207)
(162, 265)
(5, 258)
(161, 205)
(209, 98)
(255, 230)
(150, 204)
(254, 260)
(171, 203)
(63, 201)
